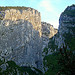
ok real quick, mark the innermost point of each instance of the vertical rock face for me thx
(20, 36)
(23, 36)
(62, 45)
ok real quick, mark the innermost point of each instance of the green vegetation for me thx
(45, 50)
(13, 7)
(51, 61)
(10, 7)
(70, 12)
(60, 63)
(52, 45)
(13, 69)
(70, 38)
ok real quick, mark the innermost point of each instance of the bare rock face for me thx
(20, 36)
(48, 31)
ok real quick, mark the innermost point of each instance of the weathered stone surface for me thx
(67, 24)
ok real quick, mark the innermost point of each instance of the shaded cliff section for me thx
(20, 43)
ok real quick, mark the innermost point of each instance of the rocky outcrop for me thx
(67, 25)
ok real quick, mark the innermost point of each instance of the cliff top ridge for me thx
(3, 8)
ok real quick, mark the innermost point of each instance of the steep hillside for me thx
(67, 26)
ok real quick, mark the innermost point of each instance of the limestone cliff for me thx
(67, 25)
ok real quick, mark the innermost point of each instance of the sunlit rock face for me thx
(24, 13)
(20, 36)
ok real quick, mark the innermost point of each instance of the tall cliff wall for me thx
(20, 43)
(20, 36)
